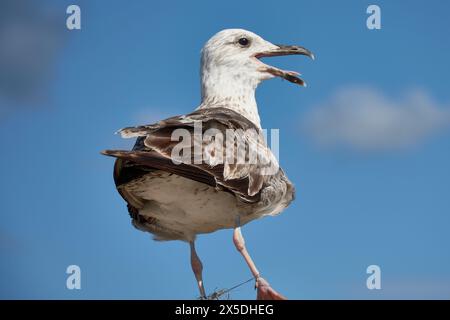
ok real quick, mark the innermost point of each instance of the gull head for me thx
(231, 64)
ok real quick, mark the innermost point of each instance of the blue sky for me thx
(364, 196)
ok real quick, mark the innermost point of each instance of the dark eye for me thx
(244, 42)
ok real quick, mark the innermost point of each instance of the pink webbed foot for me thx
(265, 291)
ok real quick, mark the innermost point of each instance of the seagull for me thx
(179, 180)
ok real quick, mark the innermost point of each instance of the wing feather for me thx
(155, 148)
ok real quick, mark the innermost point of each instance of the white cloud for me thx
(363, 118)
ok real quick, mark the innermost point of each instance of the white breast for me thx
(184, 206)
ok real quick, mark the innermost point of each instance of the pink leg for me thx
(197, 267)
(239, 242)
(264, 291)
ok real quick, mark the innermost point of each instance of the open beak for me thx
(283, 50)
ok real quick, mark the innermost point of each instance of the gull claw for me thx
(265, 291)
